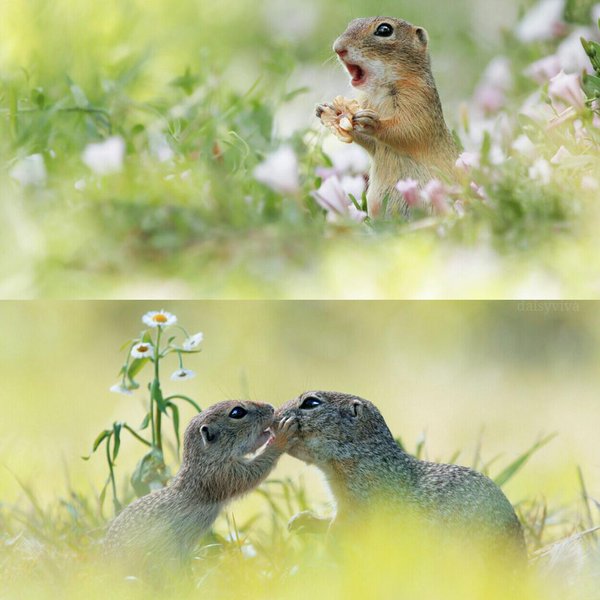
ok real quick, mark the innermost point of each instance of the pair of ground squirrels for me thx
(398, 116)
(163, 527)
(343, 435)
(347, 438)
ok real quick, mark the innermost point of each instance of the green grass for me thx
(199, 223)
(53, 549)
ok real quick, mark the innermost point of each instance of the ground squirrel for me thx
(347, 438)
(166, 524)
(399, 118)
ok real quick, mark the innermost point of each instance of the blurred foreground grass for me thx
(483, 380)
(130, 132)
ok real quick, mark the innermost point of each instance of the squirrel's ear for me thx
(422, 35)
(208, 436)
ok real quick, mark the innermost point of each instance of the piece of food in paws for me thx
(338, 117)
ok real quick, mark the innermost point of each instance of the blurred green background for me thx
(501, 374)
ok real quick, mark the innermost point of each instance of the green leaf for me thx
(157, 396)
(514, 467)
(145, 422)
(116, 439)
(151, 469)
(186, 399)
(101, 437)
(175, 414)
(38, 98)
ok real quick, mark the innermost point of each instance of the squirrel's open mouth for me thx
(357, 73)
(260, 441)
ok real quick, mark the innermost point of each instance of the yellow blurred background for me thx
(505, 373)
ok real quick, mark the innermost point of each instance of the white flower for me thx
(543, 22)
(160, 318)
(333, 198)
(181, 374)
(499, 73)
(279, 171)
(566, 88)
(467, 161)
(143, 350)
(193, 341)
(410, 190)
(30, 171)
(354, 186)
(119, 388)
(560, 156)
(105, 157)
(346, 158)
(541, 171)
(159, 146)
(572, 56)
(590, 183)
(523, 145)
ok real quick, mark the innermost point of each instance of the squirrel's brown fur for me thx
(164, 526)
(401, 122)
(347, 438)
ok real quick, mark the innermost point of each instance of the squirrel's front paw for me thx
(285, 432)
(321, 108)
(365, 120)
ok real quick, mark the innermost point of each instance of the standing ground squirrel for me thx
(164, 526)
(347, 438)
(398, 118)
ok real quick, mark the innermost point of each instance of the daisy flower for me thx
(143, 350)
(119, 388)
(193, 341)
(160, 318)
(183, 374)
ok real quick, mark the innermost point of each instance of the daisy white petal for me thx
(160, 318)
(193, 341)
(143, 350)
(119, 388)
(183, 374)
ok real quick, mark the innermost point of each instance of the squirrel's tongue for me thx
(357, 74)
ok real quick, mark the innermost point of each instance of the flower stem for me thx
(156, 387)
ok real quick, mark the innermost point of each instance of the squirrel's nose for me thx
(341, 52)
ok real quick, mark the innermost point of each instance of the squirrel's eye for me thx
(384, 30)
(238, 413)
(310, 402)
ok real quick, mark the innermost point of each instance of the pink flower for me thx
(566, 88)
(467, 161)
(279, 171)
(334, 199)
(436, 193)
(489, 98)
(543, 70)
(478, 190)
(409, 188)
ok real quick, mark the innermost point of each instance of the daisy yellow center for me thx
(182, 373)
(142, 348)
(160, 318)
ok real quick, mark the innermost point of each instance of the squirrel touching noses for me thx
(398, 116)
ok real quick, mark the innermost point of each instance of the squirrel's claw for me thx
(366, 120)
(321, 108)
